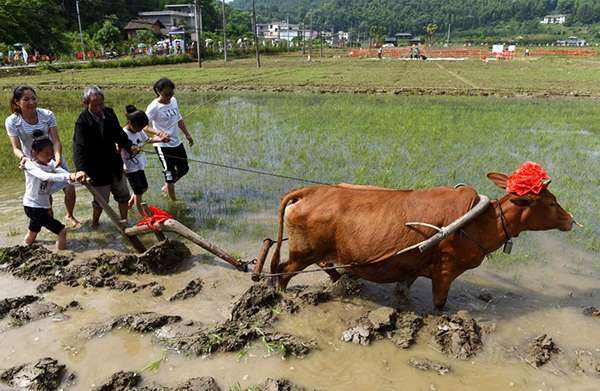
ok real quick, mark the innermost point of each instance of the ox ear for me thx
(498, 178)
(523, 201)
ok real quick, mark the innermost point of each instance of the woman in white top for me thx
(164, 116)
(27, 122)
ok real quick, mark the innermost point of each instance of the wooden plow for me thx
(169, 225)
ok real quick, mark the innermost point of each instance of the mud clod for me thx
(428, 365)
(14, 303)
(164, 257)
(485, 295)
(205, 383)
(40, 264)
(385, 322)
(34, 311)
(192, 289)
(279, 385)
(43, 375)
(121, 381)
(588, 362)
(257, 298)
(457, 335)
(591, 311)
(141, 322)
(540, 351)
(155, 288)
(408, 325)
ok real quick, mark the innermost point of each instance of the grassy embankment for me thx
(533, 76)
(391, 141)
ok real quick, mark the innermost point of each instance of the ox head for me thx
(541, 209)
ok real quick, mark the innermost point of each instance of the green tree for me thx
(108, 36)
(430, 30)
(146, 36)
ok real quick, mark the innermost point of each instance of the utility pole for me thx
(198, 35)
(255, 31)
(224, 31)
(303, 42)
(448, 41)
(310, 31)
(80, 30)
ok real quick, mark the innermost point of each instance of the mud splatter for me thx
(385, 322)
(457, 335)
(591, 311)
(45, 374)
(541, 350)
(428, 365)
(192, 289)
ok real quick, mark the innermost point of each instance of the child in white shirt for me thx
(163, 113)
(42, 178)
(135, 164)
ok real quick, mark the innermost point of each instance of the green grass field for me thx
(387, 140)
(531, 76)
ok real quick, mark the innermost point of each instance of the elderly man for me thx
(97, 132)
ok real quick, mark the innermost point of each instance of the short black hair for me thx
(161, 84)
(138, 119)
(40, 144)
(130, 109)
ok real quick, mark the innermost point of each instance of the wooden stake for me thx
(115, 218)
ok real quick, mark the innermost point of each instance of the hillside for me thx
(473, 17)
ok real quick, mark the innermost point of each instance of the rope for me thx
(242, 169)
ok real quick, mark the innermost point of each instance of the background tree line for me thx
(50, 26)
(467, 17)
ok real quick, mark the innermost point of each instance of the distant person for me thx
(137, 120)
(42, 178)
(415, 52)
(97, 131)
(380, 52)
(164, 116)
(527, 52)
(25, 121)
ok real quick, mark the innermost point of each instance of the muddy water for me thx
(542, 296)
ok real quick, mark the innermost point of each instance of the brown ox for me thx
(351, 224)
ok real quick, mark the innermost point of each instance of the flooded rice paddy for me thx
(541, 289)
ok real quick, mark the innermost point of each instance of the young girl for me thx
(42, 178)
(164, 116)
(135, 164)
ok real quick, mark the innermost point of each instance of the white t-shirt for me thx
(137, 162)
(165, 118)
(17, 126)
(41, 181)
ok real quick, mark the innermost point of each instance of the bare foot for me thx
(73, 223)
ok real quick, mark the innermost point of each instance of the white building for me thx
(554, 19)
(174, 15)
(284, 31)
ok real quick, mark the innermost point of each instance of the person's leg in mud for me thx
(104, 192)
(35, 225)
(70, 199)
(121, 194)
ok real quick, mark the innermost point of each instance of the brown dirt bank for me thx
(340, 89)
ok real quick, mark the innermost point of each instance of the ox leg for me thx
(333, 274)
(403, 289)
(441, 286)
(294, 264)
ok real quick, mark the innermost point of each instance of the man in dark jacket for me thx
(97, 132)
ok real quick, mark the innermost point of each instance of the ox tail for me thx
(281, 216)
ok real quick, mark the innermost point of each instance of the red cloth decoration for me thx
(158, 216)
(529, 178)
